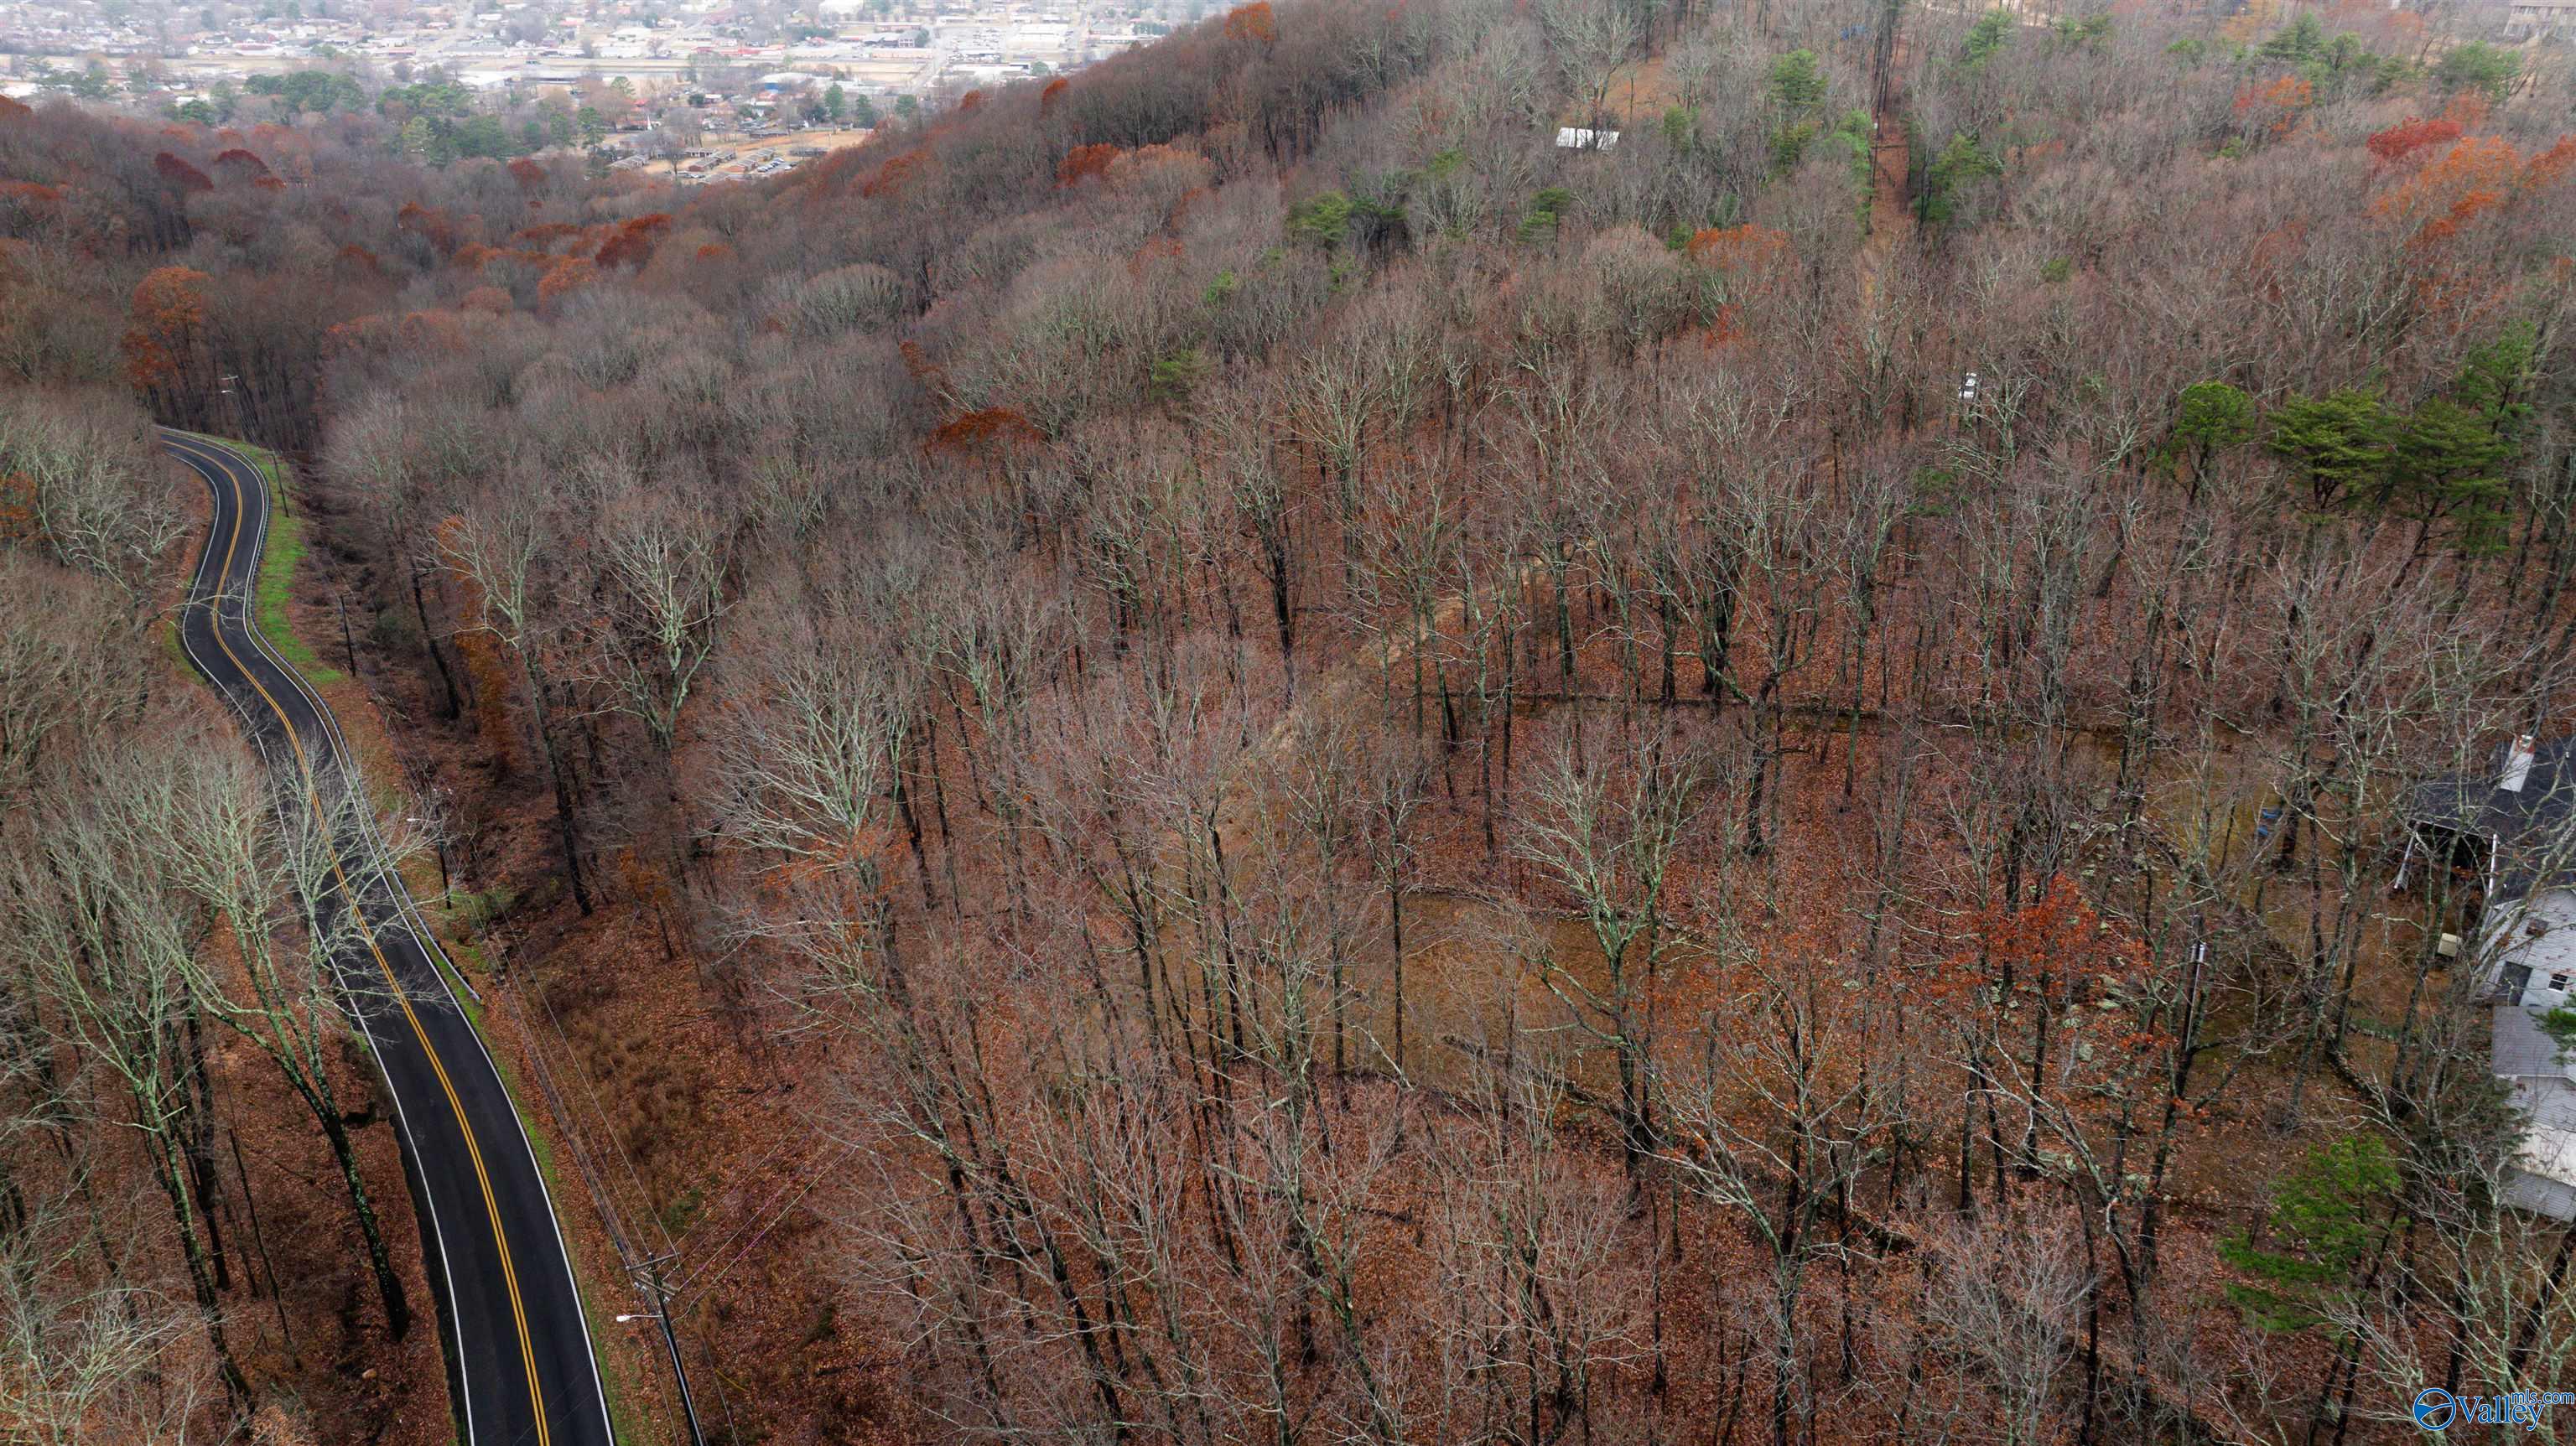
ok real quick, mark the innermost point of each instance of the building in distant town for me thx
(2533, 17)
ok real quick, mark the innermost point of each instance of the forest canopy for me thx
(1236, 746)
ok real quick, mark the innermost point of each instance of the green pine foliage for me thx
(2328, 1215)
(2213, 417)
(1681, 128)
(1797, 83)
(2445, 464)
(316, 91)
(2302, 40)
(1986, 39)
(2339, 442)
(1546, 209)
(2559, 1023)
(2478, 66)
(1851, 138)
(2496, 377)
(1798, 98)
(1320, 221)
(2089, 33)
(1961, 164)
(2334, 63)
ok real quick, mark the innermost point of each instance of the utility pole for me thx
(648, 1279)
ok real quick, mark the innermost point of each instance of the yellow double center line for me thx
(222, 463)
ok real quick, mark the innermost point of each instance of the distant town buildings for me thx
(2533, 17)
(750, 67)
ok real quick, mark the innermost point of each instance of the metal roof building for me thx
(2520, 818)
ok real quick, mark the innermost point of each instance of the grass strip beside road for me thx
(277, 574)
(277, 566)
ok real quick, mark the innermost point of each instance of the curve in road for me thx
(521, 1369)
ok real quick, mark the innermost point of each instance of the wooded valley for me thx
(1229, 749)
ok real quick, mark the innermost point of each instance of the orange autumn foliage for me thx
(1253, 22)
(1749, 259)
(1053, 93)
(2275, 107)
(993, 428)
(632, 245)
(2478, 175)
(430, 225)
(894, 175)
(2550, 166)
(2410, 136)
(416, 331)
(2468, 109)
(569, 275)
(180, 174)
(1745, 255)
(1084, 161)
(646, 884)
(491, 677)
(917, 363)
(17, 507)
(1742, 249)
(1159, 248)
(29, 196)
(167, 309)
(2288, 92)
(475, 256)
(239, 164)
(484, 666)
(831, 176)
(2059, 939)
(547, 233)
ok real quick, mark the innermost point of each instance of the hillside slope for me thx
(1224, 748)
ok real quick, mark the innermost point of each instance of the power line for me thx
(813, 1178)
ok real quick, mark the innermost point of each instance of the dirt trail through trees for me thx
(1890, 219)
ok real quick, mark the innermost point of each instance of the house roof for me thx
(2543, 1177)
(2534, 826)
(2523, 1052)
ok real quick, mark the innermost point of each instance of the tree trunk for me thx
(389, 1286)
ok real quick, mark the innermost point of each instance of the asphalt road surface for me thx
(520, 1368)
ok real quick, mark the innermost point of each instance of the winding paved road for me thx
(520, 1367)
